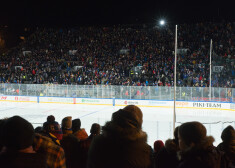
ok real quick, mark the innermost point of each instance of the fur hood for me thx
(199, 151)
(113, 130)
(171, 146)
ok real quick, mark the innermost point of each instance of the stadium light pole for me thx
(174, 112)
(210, 67)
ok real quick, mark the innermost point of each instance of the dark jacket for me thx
(203, 155)
(73, 154)
(22, 160)
(167, 156)
(119, 147)
(229, 150)
(84, 146)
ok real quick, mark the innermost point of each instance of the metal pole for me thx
(174, 115)
(210, 67)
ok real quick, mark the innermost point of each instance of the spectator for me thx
(1, 127)
(52, 58)
(77, 131)
(73, 154)
(167, 156)
(85, 144)
(196, 148)
(122, 142)
(18, 135)
(55, 154)
(228, 144)
(157, 146)
(67, 126)
(38, 130)
(53, 127)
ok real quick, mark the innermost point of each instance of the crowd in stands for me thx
(123, 55)
(120, 143)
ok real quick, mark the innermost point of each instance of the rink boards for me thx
(122, 102)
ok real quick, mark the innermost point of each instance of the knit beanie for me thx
(131, 116)
(158, 145)
(228, 134)
(17, 133)
(76, 125)
(192, 132)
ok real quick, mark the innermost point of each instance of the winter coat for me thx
(167, 156)
(119, 147)
(229, 150)
(81, 134)
(22, 160)
(203, 155)
(84, 148)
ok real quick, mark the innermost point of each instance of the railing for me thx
(122, 92)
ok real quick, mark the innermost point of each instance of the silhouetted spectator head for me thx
(18, 133)
(228, 134)
(131, 116)
(95, 129)
(158, 145)
(51, 126)
(191, 133)
(67, 125)
(38, 130)
(50, 118)
(76, 125)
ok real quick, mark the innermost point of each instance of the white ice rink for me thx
(157, 121)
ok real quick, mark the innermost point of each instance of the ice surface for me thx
(157, 122)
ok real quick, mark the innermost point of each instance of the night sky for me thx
(58, 13)
(50, 13)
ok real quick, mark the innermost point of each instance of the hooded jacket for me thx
(203, 155)
(122, 144)
(229, 150)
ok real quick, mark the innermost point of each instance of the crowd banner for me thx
(217, 68)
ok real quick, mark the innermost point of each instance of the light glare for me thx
(162, 22)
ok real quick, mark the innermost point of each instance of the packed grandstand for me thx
(132, 55)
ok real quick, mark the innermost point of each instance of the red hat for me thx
(158, 145)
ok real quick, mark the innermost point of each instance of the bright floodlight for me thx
(162, 22)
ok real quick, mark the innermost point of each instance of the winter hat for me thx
(95, 128)
(228, 134)
(130, 116)
(192, 132)
(17, 133)
(158, 145)
(67, 123)
(76, 125)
